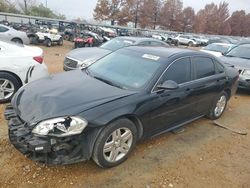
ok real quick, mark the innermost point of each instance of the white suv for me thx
(187, 40)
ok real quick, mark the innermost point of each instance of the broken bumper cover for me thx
(49, 150)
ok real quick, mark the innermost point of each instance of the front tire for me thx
(60, 42)
(114, 143)
(218, 107)
(48, 42)
(8, 87)
(190, 44)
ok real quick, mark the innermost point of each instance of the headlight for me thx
(61, 127)
(246, 72)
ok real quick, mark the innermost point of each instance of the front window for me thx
(179, 71)
(125, 69)
(116, 44)
(242, 51)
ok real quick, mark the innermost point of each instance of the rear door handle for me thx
(196, 88)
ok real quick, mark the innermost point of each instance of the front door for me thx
(170, 107)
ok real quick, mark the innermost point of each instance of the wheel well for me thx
(17, 77)
(17, 38)
(228, 91)
(138, 125)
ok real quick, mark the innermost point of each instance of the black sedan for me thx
(103, 111)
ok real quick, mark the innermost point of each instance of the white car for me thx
(187, 40)
(10, 34)
(217, 49)
(19, 64)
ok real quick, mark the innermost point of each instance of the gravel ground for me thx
(202, 156)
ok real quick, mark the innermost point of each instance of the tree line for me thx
(171, 15)
(28, 7)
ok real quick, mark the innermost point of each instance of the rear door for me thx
(208, 83)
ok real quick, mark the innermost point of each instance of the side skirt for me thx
(177, 126)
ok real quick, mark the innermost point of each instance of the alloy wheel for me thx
(220, 106)
(118, 145)
(6, 89)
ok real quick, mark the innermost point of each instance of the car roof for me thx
(139, 39)
(244, 44)
(222, 44)
(165, 52)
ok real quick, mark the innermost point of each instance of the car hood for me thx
(88, 54)
(236, 62)
(63, 94)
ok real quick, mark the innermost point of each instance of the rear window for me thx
(3, 29)
(204, 67)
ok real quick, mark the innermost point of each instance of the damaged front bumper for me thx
(49, 150)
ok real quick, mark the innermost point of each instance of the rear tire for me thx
(218, 107)
(114, 143)
(8, 87)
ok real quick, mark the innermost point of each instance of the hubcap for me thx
(220, 106)
(6, 89)
(118, 144)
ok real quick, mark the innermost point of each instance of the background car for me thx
(83, 57)
(217, 49)
(187, 40)
(10, 34)
(19, 64)
(131, 94)
(239, 57)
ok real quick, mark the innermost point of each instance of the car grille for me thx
(70, 63)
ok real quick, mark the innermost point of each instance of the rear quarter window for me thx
(3, 29)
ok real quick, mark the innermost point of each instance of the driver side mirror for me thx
(168, 85)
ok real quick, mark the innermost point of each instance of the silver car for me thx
(83, 57)
(10, 34)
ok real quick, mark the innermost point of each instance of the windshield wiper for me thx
(229, 55)
(109, 82)
(88, 73)
(244, 57)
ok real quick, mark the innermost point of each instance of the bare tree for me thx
(171, 15)
(108, 10)
(25, 5)
(188, 19)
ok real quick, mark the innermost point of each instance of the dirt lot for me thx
(201, 156)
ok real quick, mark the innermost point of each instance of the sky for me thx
(84, 8)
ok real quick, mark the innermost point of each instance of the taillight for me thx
(38, 59)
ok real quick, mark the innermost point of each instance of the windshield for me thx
(116, 44)
(242, 51)
(217, 48)
(125, 69)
